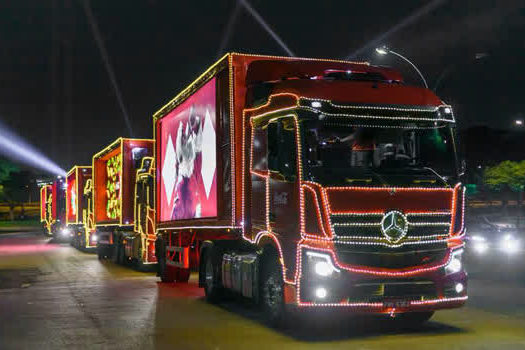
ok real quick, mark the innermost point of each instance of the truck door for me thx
(283, 191)
(259, 178)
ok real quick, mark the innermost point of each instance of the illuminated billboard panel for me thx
(187, 169)
(113, 184)
(72, 198)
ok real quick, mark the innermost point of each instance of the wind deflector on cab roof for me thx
(354, 75)
(276, 70)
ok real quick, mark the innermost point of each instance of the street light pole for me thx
(384, 50)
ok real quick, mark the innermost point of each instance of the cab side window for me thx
(282, 151)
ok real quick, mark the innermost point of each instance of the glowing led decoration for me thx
(394, 226)
(73, 199)
(50, 208)
(113, 171)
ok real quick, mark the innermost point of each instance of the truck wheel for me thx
(115, 256)
(123, 259)
(139, 265)
(81, 242)
(183, 275)
(272, 291)
(167, 273)
(212, 287)
(413, 319)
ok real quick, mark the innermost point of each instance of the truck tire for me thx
(115, 256)
(213, 289)
(100, 255)
(167, 273)
(413, 319)
(139, 265)
(104, 251)
(272, 290)
(123, 259)
(183, 275)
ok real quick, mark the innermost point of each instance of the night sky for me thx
(55, 91)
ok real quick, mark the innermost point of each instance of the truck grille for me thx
(368, 226)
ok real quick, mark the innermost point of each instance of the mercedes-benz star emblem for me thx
(394, 226)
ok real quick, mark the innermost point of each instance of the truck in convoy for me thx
(45, 207)
(78, 201)
(123, 227)
(53, 209)
(311, 184)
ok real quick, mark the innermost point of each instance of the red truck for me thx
(53, 209)
(45, 207)
(121, 224)
(78, 202)
(311, 184)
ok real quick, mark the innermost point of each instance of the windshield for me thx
(372, 155)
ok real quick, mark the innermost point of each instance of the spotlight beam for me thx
(15, 148)
(266, 27)
(412, 18)
(229, 28)
(105, 58)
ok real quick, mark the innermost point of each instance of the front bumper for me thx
(428, 289)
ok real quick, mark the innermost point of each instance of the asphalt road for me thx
(52, 296)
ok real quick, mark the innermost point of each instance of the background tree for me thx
(6, 168)
(14, 185)
(510, 175)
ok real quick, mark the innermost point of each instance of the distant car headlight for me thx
(509, 244)
(479, 244)
(477, 238)
(454, 265)
(321, 264)
(480, 247)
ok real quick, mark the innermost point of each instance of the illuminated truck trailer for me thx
(78, 201)
(310, 184)
(115, 181)
(53, 209)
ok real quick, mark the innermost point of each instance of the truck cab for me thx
(144, 231)
(53, 209)
(361, 180)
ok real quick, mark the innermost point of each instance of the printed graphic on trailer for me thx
(72, 198)
(188, 158)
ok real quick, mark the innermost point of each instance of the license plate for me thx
(396, 303)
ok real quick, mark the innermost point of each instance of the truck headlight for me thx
(321, 264)
(65, 231)
(454, 265)
(94, 238)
